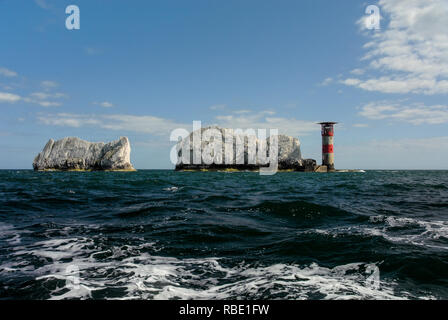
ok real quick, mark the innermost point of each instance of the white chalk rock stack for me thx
(289, 154)
(72, 153)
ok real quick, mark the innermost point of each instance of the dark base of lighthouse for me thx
(324, 168)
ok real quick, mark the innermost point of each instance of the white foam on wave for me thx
(436, 228)
(433, 231)
(9, 234)
(56, 249)
(287, 282)
(140, 274)
(171, 189)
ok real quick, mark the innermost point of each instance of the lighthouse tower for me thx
(327, 144)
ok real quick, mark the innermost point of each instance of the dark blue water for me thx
(215, 235)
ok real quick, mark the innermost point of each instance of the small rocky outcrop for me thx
(289, 153)
(72, 153)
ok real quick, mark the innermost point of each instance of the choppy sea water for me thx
(213, 235)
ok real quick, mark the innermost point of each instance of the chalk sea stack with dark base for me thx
(74, 154)
(289, 153)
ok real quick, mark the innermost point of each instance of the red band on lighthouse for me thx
(327, 148)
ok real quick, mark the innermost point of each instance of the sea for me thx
(161, 234)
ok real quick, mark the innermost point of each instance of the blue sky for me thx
(143, 68)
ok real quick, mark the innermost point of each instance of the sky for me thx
(144, 68)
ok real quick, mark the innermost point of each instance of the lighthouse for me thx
(327, 144)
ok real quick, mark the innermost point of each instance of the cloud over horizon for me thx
(40, 98)
(410, 54)
(7, 72)
(414, 114)
(161, 126)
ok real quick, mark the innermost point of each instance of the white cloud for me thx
(104, 104)
(241, 111)
(47, 84)
(42, 103)
(160, 126)
(45, 95)
(411, 52)
(327, 81)
(217, 107)
(48, 103)
(360, 125)
(357, 72)
(144, 124)
(121, 122)
(39, 97)
(9, 97)
(403, 85)
(267, 120)
(351, 82)
(42, 3)
(68, 120)
(35, 98)
(415, 114)
(7, 73)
